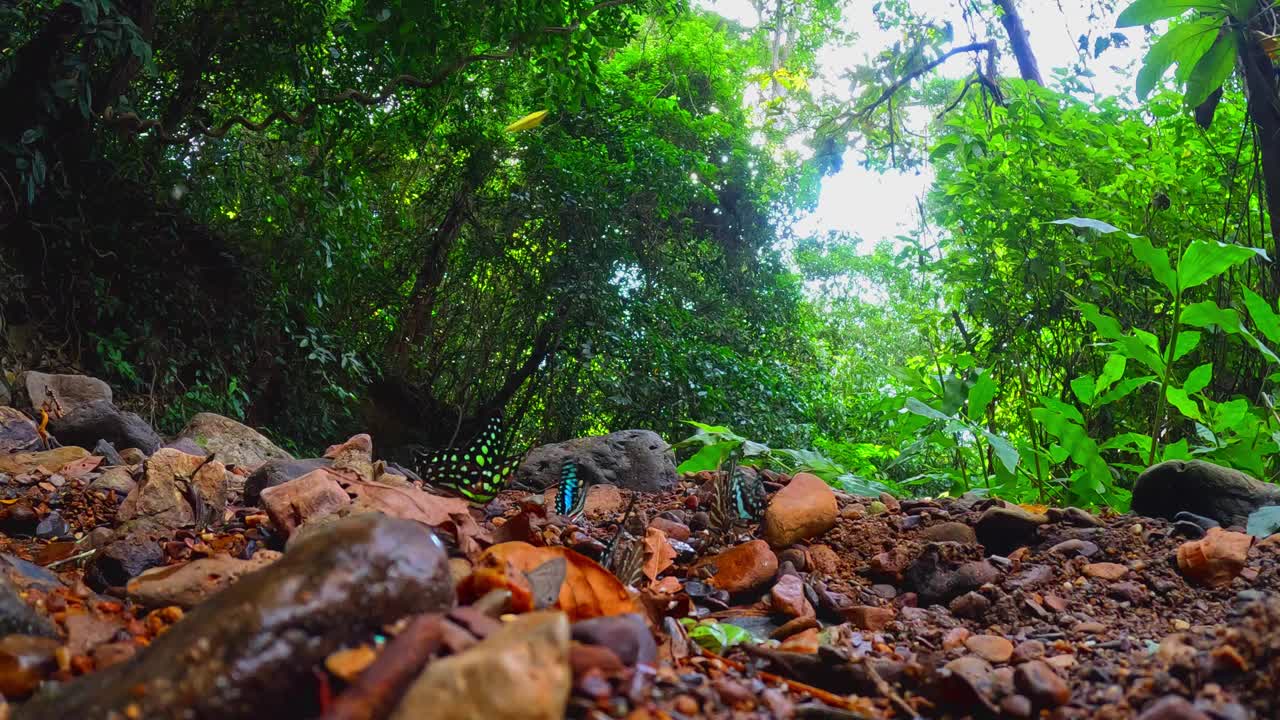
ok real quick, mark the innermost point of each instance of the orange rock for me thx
(741, 568)
(1105, 570)
(823, 560)
(802, 642)
(1215, 559)
(788, 597)
(992, 648)
(869, 617)
(804, 509)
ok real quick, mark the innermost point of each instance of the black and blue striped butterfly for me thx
(478, 472)
(571, 495)
(737, 496)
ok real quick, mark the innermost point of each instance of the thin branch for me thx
(988, 46)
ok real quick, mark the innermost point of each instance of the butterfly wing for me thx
(571, 496)
(477, 472)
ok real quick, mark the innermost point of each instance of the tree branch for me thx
(988, 46)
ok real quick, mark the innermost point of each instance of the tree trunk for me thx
(1264, 112)
(1012, 21)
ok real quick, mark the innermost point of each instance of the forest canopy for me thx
(333, 216)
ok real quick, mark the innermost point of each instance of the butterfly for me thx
(478, 472)
(625, 555)
(736, 496)
(571, 496)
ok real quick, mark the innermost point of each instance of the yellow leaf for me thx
(528, 122)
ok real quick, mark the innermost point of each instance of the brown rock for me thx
(86, 631)
(955, 637)
(1075, 546)
(869, 617)
(823, 560)
(1002, 529)
(804, 509)
(788, 597)
(1028, 650)
(188, 584)
(311, 496)
(950, 532)
(1016, 706)
(113, 653)
(1041, 684)
(233, 443)
(528, 658)
(1216, 559)
(992, 648)
(162, 500)
(741, 568)
(1105, 570)
(603, 500)
(673, 529)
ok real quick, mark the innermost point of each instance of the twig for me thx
(889, 92)
(77, 556)
(377, 690)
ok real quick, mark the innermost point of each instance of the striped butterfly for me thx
(478, 472)
(571, 496)
(737, 496)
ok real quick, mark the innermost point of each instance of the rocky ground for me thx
(214, 576)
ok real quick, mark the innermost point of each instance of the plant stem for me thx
(1158, 419)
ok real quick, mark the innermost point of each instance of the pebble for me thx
(1105, 570)
(309, 497)
(627, 635)
(25, 661)
(992, 648)
(1016, 706)
(823, 560)
(1082, 548)
(672, 528)
(950, 532)
(1027, 650)
(1172, 707)
(1216, 559)
(868, 617)
(971, 605)
(1003, 529)
(788, 597)
(1038, 681)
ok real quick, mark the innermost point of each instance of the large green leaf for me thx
(1188, 340)
(1004, 450)
(915, 406)
(1184, 44)
(708, 458)
(1211, 70)
(1206, 313)
(1090, 224)
(1263, 316)
(1112, 371)
(1156, 259)
(1178, 398)
(1144, 12)
(1084, 389)
(981, 395)
(1124, 388)
(1204, 261)
(1198, 379)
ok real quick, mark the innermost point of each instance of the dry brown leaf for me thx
(79, 468)
(658, 553)
(588, 591)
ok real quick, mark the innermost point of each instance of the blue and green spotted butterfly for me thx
(737, 496)
(571, 496)
(478, 472)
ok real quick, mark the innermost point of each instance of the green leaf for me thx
(1004, 450)
(1183, 44)
(1206, 313)
(915, 406)
(1264, 522)
(1264, 318)
(1188, 340)
(1211, 70)
(1132, 441)
(1112, 371)
(1106, 325)
(708, 458)
(1204, 261)
(1198, 379)
(1143, 12)
(1178, 398)
(1156, 259)
(1084, 389)
(980, 396)
(1123, 389)
(1063, 409)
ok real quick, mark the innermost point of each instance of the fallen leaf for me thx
(350, 662)
(434, 511)
(667, 586)
(588, 590)
(658, 553)
(79, 468)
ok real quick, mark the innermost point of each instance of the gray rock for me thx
(19, 618)
(100, 420)
(72, 392)
(1222, 494)
(28, 573)
(116, 479)
(108, 453)
(938, 579)
(234, 443)
(278, 472)
(1004, 529)
(630, 459)
(17, 432)
(188, 446)
(627, 635)
(248, 652)
(122, 560)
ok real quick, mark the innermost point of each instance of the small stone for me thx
(971, 605)
(114, 479)
(890, 502)
(188, 584)
(626, 635)
(875, 507)
(992, 648)
(603, 500)
(1003, 529)
(1027, 650)
(742, 568)
(1074, 547)
(113, 653)
(52, 526)
(1216, 559)
(1105, 570)
(788, 597)
(124, 558)
(672, 528)
(1038, 681)
(950, 532)
(804, 509)
(955, 638)
(1016, 706)
(1089, 628)
(1172, 707)
(793, 558)
(686, 705)
(806, 641)
(18, 519)
(869, 617)
(1181, 625)
(853, 512)
(311, 496)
